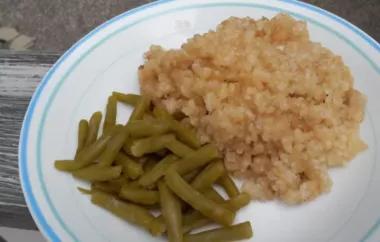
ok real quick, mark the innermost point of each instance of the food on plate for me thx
(154, 162)
(280, 108)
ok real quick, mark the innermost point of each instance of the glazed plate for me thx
(107, 59)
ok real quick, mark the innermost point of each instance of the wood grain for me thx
(20, 74)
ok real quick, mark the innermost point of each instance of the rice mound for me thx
(280, 108)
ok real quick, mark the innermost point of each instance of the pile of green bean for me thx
(154, 162)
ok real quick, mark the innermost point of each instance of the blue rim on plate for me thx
(27, 189)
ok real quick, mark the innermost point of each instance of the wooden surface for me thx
(20, 74)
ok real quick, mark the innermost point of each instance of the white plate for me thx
(107, 60)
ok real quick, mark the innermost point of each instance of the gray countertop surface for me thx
(21, 72)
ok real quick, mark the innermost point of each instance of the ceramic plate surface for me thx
(107, 59)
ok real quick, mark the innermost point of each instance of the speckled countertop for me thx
(57, 24)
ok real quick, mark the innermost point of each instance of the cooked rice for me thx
(279, 107)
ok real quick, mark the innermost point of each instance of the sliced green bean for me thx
(171, 211)
(93, 128)
(148, 117)
(179, 149)
(134, 184)
(159, 113)
(65, 165)
(111, 111)
(131, 99)
(127, 146)
(150, 145)
(96, 173)
(229, 185)
(195, 220)
(185, 134)
(231, 233)
(142, 128)
(131, 168)
(84, 191)
(90, 153)
(198, 201)
(106, 187)
(113, 147)
(212, 194)
(195, 160)
(140, 108)
(150, 164)
(158, 171)
(159, 227)
(208, 176)
(138, 195)
(82, 135)
(130, 212)
(189, 177)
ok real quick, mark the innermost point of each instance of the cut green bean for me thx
(130, 212)
(142, 128)
(84, 191)
(131, 99)
(229, 185)
(179, 149)
(113, 147)
(140, 108)
(212, 194)
(134, 184)
(198, 201)
(158, 171)
(231, 233)
(171, 211)
(96, 173)
(208, 176)
(138, 195)
(93, 128)
(65, 165)
(195, 160)
(90, 153)
(127, 146)
(82, 135)
(106, 187)
(189, 177)
(185, 135)
(111, 111)
(159, 226)
(150, 145)
(159, 113)
(150, 164)
(131, 168)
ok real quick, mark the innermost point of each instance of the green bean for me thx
(195, 220)
(134, 184)
(113, 148)
(150, 145)
(127, 146)
(111, 110)
(65, 165)
(131, 168)
(131, 99)
(171, 211)
(140, 108)
(96, 173)
(158, 171)
(93, 128)
(82, 135)
(208, 176)
(149, 164)
(212, 194)
(159, 227)
(195, 160)
(179, 149)
(148, 117)
(106, 187)
(189, 177)
(198, 201)
(231, 233)
(185, 134)
(229, 185)
(127, 211)
(159, 113)
(84, 191)
(138, 195)
(142, 128)
(90, 153)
